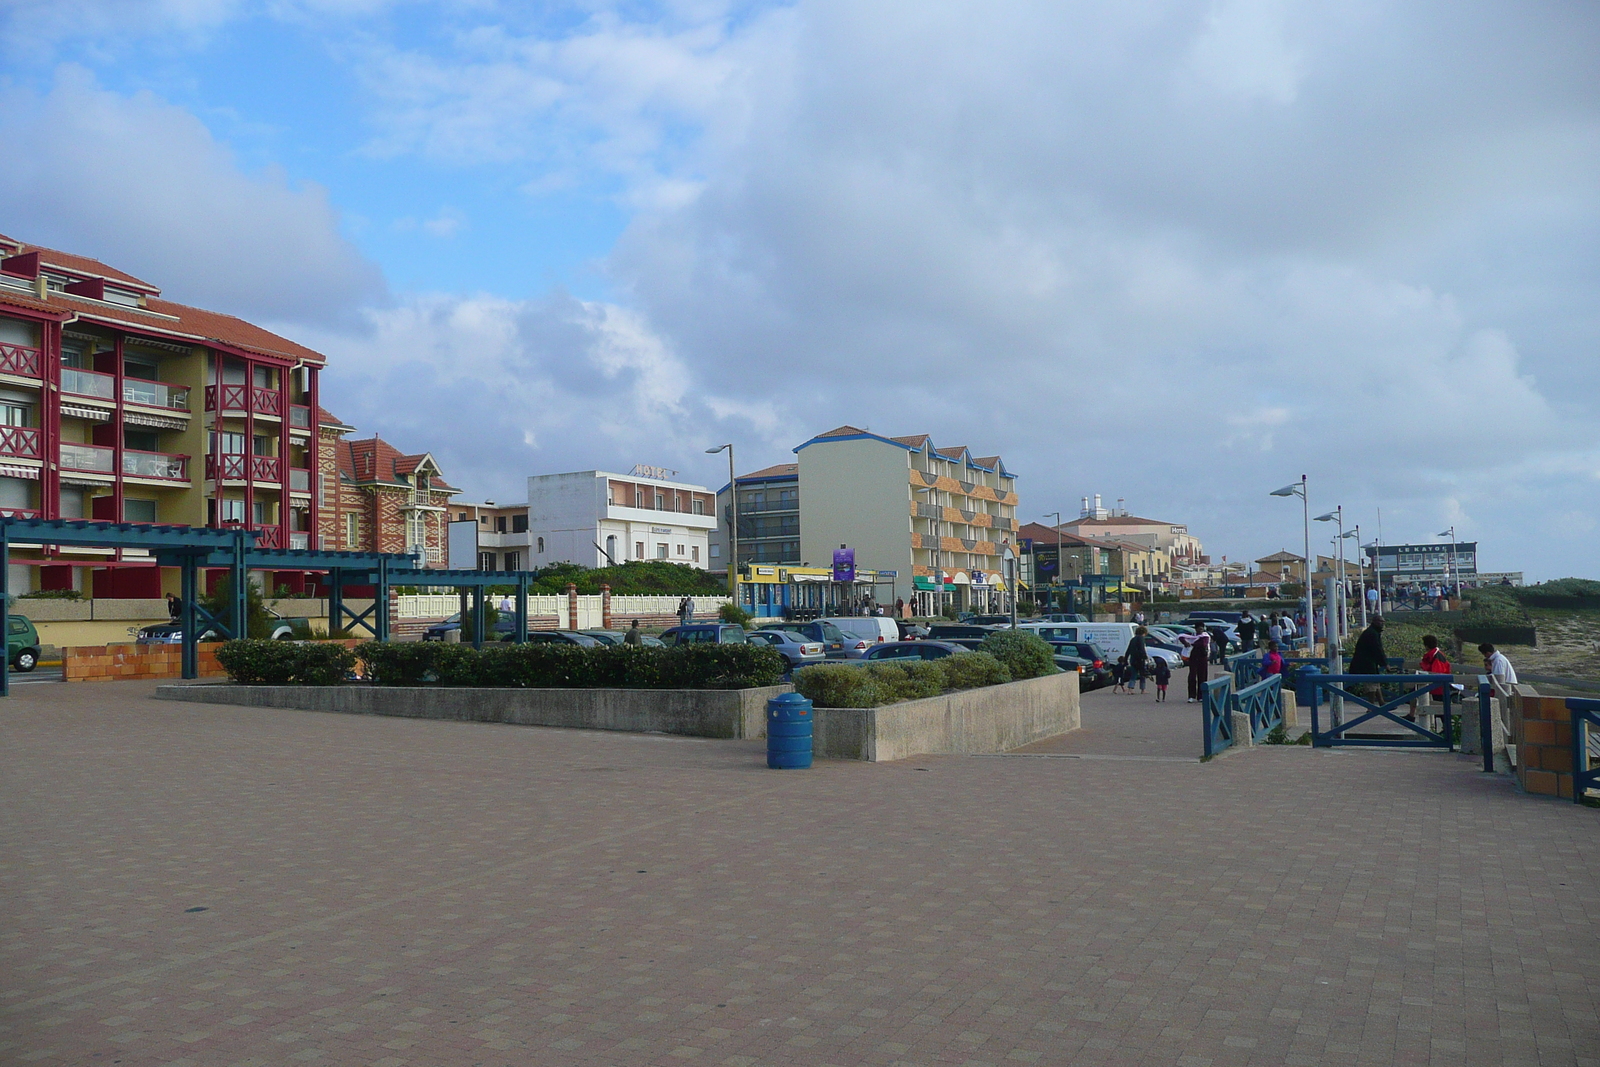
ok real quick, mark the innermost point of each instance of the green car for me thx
(22, 643)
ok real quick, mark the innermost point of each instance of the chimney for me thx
(1121, 510)
(1083, 512)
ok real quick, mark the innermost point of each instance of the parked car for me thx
(987, 620)
(861, 632)
(901, 651)
(171, 633)
(1087, 651)
(620, 637)
(1090, 677)
(820, 630)
(1113, 637)
(797, 649)
(910, 631)
(22, 644)
(1230, 617)
(950, 631)
(1060, 616)
(559, 637)
(705, 633)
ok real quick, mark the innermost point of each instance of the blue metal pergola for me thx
(191, 547)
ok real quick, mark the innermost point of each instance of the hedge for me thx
(261, 662)
(1025, 655)
(839, 685)
(552, 666)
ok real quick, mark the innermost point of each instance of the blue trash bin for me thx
(789, 732)
(1302, 683)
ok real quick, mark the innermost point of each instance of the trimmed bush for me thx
(1025, 655)
(835, 685)
(560, 666)
(734, 614)
(974, 670)
(261, 662)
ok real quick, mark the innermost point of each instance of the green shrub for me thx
(734, 615)
(52, 594)
(974, 670)
(561, 666)
(1557, 587)
(259, 662)
(926, 678)
(1025, 655)
(835, 685)
(391, 663)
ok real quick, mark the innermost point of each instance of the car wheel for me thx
(25, 661)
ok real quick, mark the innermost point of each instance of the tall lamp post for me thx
(1299, 489)
(1057, 516)
(1453, 574)
(938, 553)
(733, 523)
(1336, 609)
(1361, 572)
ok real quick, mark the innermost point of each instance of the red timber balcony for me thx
(90, 383)
(20, 442)
(21, 513)
(299, 417)
(266, 536)
(232, 468)
(242, 398)
(99, 459)
(20, 360)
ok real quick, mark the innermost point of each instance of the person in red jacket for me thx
(1433, 662)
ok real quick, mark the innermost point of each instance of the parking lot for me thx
(197, 885)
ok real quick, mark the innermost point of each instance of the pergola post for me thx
(479, 616)
(381, 606)
(186, 619)
(5, 608)
(240, 582)
(520, 635)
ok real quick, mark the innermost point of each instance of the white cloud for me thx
(142, 185)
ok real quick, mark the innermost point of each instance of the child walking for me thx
(1163, 676)
(1121, 672)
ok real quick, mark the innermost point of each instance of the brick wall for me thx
(115, 663)
(1543, 734)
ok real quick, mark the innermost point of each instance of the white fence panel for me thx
(442, 605)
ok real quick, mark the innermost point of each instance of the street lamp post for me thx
(733, 523)
(1057, 516)
(1299, 489)
(1452, 572)
(1361, 573)
(1336, 609)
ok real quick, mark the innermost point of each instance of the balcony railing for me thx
(80, 382)
(20, 360)
(93, 459)
(270, 536)
(161, 465)
(20, 513)
(20, 441)
(233, 467)
(746, 506)
(300, 416)
(235, 397)
(299, 480)
(155, 394)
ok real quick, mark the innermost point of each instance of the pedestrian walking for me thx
(1369, 656)
(1372, 600)
(900, 608)
(1219, 647)
(1163, 672)
(1199, 657)
(634, 636)
(1275, 629)
(1271, 661)
(1139, 655)
(1247, 631)
(1119, 671)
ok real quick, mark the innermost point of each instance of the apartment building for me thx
(118, 405)
(769, 518)
(1173, 538)
(502, 534)
(374, 498)
(1085, 557)
(598, 518)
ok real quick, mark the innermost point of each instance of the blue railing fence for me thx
(1245, 668)
(1262, 702)
(1585, 746)
(1217, 715)
(1408, 688)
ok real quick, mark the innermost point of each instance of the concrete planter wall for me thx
(994, 719)
(725, 713)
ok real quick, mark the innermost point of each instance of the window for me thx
(352, 530)
(232, 443)
(699, 506)
(416, 529)
(638, 498)
(519, 524)
(541, 546)
(611, 548)
(500, 524)
(136, 367)
(262, 444)
(513, 561)
(680, 550)
(462, 516)
(18, 493)
(232, 510)
(483, 520)
(263, 378)
(694, 553)
(486, 561)
(258, 512)
(716, 551)
(141, 440)
(138, 510)
(638, 550)
(13, 413)
(661, 551)
(661, 502)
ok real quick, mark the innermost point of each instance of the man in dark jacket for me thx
(1369, 656)
(1247, 632)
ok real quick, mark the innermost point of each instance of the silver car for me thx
(795, 648)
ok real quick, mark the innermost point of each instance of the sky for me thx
(1177, 252)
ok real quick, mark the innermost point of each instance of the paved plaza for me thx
(212, 886)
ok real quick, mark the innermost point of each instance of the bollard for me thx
(789, 732)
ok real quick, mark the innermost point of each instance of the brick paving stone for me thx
(398, 892)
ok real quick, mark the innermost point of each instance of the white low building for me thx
(597, 518)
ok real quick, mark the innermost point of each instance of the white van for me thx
(1112, 637)
(861, 632)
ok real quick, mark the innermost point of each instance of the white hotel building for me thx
(597, 518)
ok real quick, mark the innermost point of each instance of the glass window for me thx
(680, 550)
(15, 414)
(232, 443)
(352, 530)
(699, 506)
(661, 551)
(513, 561)
(138, 510)
(638, 550)
(694, 553)
(141, 440)
(263, 378)
(232, 510)
(541, 545)
(137, 367)
(519, 524)
(258, 512)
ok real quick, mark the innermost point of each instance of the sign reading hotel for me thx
(844, 564)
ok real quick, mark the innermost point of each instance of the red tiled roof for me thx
(915, 440)
(86, 266)
(952, 452)
(373, 460)
(328, 418)
(773, 472)
(842, 431)
(163, 318)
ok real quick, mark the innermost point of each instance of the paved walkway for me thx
(196, 885)
(1131, 724)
